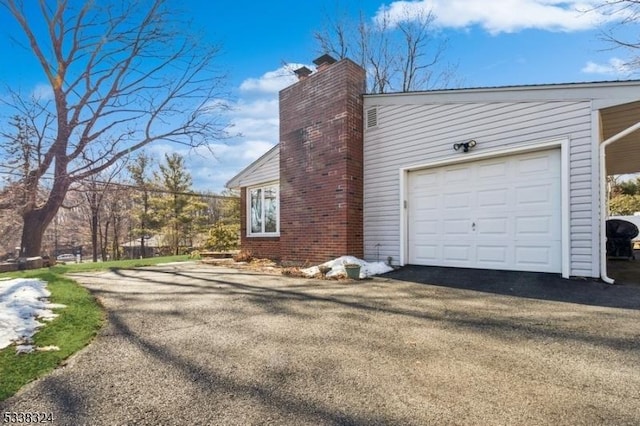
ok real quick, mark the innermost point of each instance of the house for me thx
(153, 246)
(510, 178)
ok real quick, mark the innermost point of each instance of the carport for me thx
(619, 155)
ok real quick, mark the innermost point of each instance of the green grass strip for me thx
(115, 264)
(73, 329)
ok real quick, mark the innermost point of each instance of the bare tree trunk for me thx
(94, 206)
(116, 238)
(176, 240)
(94, 234)
(104, 240)
(36, 220)
(35, 223)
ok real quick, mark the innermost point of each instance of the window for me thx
(264, 211)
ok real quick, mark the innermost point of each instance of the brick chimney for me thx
(321, 170)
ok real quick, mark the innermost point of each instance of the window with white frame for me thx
(263, 210)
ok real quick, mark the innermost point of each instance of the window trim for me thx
(249, 233)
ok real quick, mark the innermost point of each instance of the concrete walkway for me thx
(194, 344)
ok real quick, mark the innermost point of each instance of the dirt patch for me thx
(267, 266)
(259, 265)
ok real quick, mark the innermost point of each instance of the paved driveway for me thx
(194, 344)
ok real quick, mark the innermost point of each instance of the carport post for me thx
(604, 198)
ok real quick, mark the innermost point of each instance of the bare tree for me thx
(95, 189)
(118, 216)
(94, 192)
(122, 75)
(622, 15)
(400, 53)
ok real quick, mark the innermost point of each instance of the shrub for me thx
(223, 237)
(624, 205)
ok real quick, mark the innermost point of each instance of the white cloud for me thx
(213, 166)
(255, 117)
(42, 92)
(243, 150)
(272, 81)
(502, 16)
(259, 128)
(615, 67)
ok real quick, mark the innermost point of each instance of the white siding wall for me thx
(265, 169)
(413, 134)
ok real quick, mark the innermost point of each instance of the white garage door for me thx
(501, 213)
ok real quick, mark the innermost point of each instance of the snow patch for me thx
(22, 303)
(367, 269)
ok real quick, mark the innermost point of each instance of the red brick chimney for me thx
(321, 170)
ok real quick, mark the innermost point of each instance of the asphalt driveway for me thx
(194, 344)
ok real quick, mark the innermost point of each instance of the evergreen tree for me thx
(177, 208)
(140, 171)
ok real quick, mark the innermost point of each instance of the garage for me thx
(498, 213)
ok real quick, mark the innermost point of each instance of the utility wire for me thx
(129, 186)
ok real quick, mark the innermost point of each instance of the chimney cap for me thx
(325, 59)
(303, 72)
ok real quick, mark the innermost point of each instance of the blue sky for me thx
(506, 42)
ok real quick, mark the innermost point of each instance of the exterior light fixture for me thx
(464, 145)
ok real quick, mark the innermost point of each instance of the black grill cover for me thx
(618, 228)
(619, 235)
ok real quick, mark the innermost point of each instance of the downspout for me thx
(604, 198)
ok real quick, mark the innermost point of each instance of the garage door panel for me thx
(501, 213)
(492, 256)
(493, 198)
(456, 227)
(531, 256)
(534, 165)
(457, 253)
(428, 202)
(534, 194)
(426, 228)
(492, 170)
(495, 226)
(536, 226)
(457, 200)
(425, 178)
(426, 253)
(457, 176)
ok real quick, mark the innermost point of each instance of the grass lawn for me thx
(114, 264)
(73, 329)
